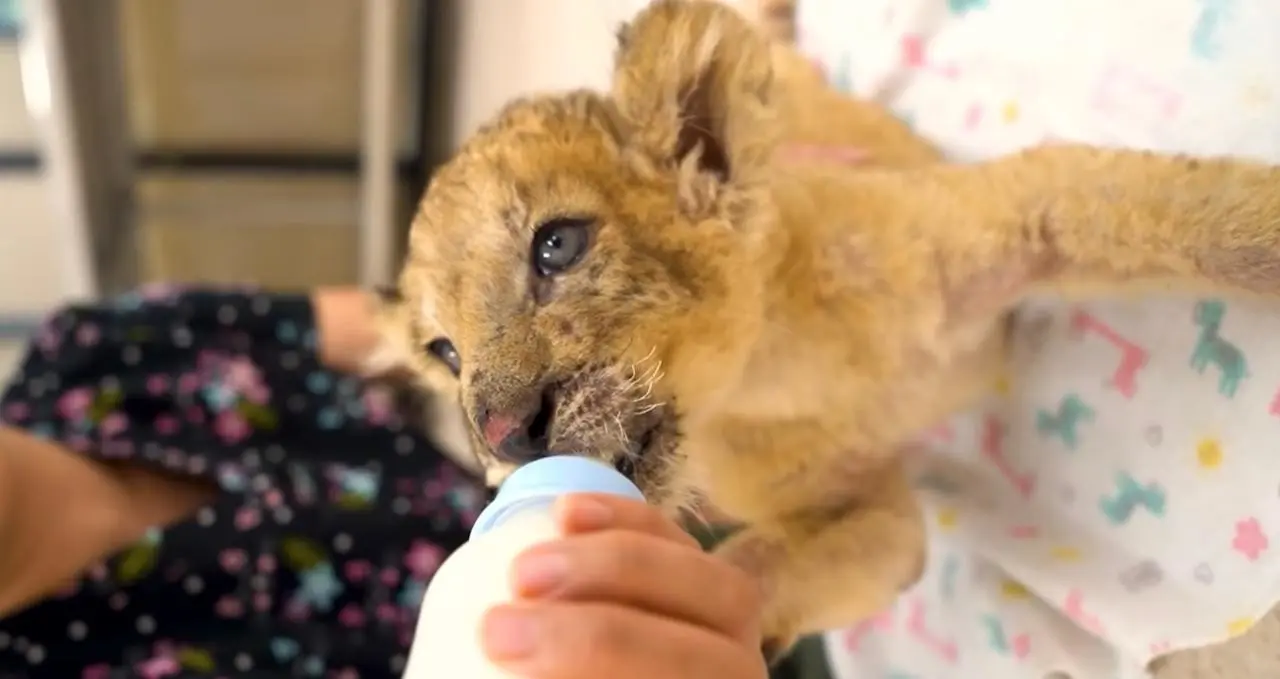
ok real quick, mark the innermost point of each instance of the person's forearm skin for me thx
(61, 512)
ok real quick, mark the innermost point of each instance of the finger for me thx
(586, 512)
(589, 641)
(643, 571)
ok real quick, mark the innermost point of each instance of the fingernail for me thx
(540, 572)
(584, 513)
(509, 634)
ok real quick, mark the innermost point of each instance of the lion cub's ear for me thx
(694, 79)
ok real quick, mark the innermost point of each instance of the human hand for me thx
(347, 329)
(627, 594)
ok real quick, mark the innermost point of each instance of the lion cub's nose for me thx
(517, 435)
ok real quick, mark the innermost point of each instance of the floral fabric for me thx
(332, 516)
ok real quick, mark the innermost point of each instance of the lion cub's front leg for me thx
(1084, 221)
(823, 567)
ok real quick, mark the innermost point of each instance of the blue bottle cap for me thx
(540, 482)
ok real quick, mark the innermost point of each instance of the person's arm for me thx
(60, 512)
(346, 327)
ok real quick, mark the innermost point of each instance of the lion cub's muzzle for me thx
(516, 431)
(597, 413)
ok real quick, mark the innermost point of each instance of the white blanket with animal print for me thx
(1119, 497)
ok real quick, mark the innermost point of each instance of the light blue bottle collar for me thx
(542, 481)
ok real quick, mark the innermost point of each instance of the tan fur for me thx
(775, 333)
(777, 19)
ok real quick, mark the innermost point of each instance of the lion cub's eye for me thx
(559, 244)
(443, 350)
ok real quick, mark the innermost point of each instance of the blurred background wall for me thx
(280, 143)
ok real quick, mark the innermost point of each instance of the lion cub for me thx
(633, 276)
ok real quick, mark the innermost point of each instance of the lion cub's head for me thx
(586, 272)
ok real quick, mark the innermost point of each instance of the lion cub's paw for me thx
(811, 580)
(759, 557)
(776, 649)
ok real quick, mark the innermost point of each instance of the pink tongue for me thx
(498, 428)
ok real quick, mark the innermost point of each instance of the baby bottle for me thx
(477, 576)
